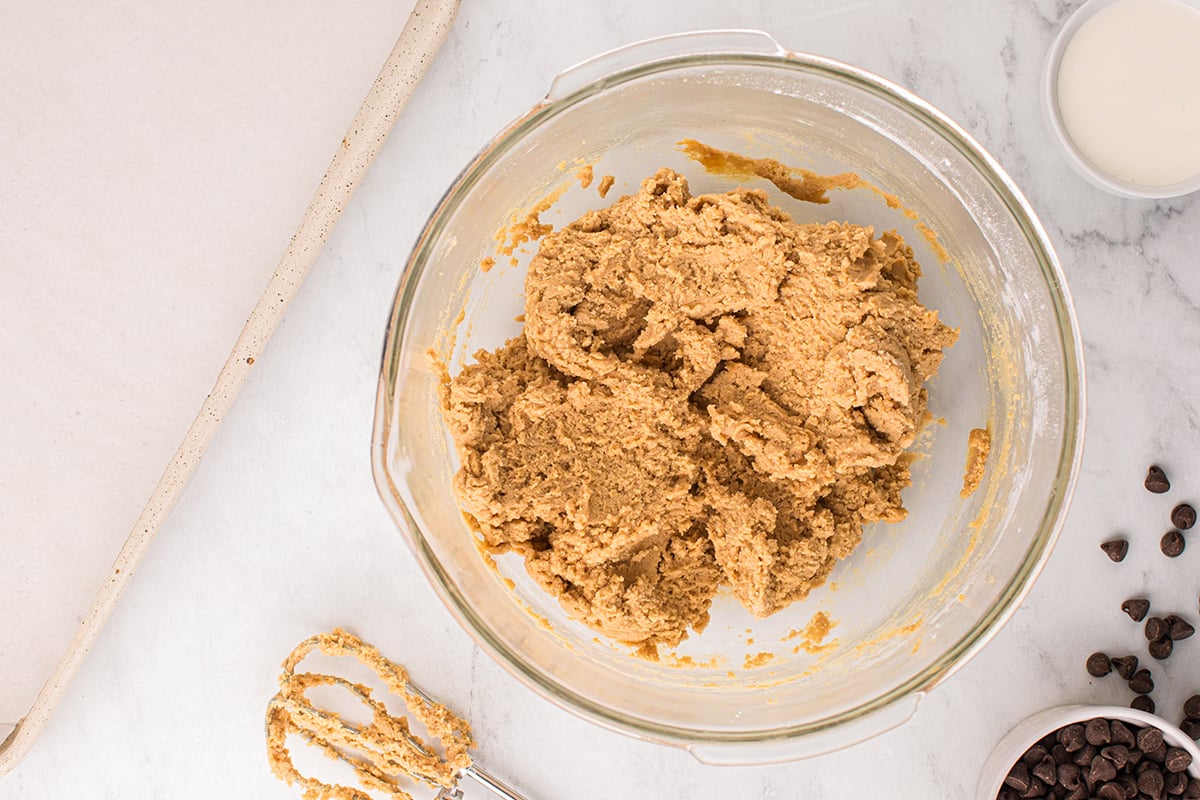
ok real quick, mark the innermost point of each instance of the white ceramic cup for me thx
(1050, 108)
(1026, 733)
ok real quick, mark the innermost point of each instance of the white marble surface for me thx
(281, 534)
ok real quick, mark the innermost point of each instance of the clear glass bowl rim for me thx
(1074, 401)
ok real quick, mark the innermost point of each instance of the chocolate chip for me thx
(1060, 754)
(1142, 703)
(1136, 608)
(1008, 794)
(1118, 754)
(1141, 683)
(1045, 771)
(1036, 789)
(1149, 739)
(1192, 792)
(1097, 732)
(1035, 754)
(1177, 759)
(1178, 628)
(1069, 775)
(1191, 706)
(1072, 737)
(1171, 544)
(1078, 793)
(1183, 516)
(1129, 783)
(1102, 771)
(1161, 648)
(1191, 727)
(1126, 667)
(1156, 480)
(1151, 783)
(1018, 777)
(1110, 791)
(1135, 756)
(1120, 732)
(1158, 755)
(1176, 782)
(1098, 665)
(1085, 755)
(1116, 549)
(1157, 628)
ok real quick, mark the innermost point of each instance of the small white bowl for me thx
(1053, 115)
(1014, 744)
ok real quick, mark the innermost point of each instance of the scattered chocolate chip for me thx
(1176, 782)
(1191, 706)
(1141, 683)
(1018, 777)
(1183, 516)
(1136, 608)
(1161, 648)
(1191, 727)
(1072, 737)
(1171, 544)
(1156, 480)
(1179, 628)
(1110, 791)
(1177, 759)
(1142, 703)
(1157, 628)
(1116, 549)
(1151, 783)
(1046, 771)
(1098, 665)
(1125, 667)
(1097, 732)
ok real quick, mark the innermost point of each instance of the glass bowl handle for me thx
(661, 49)
(817, 744)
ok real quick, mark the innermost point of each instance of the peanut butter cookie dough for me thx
(706, 393)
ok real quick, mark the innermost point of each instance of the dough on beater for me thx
(705, 393)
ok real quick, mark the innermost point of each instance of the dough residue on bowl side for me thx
(979, 446)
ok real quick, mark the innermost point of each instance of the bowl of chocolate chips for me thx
(1082, 752)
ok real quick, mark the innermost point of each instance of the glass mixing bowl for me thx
(917, 598)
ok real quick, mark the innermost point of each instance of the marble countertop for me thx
(281, 533)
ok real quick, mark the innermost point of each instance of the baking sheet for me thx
(154, 161)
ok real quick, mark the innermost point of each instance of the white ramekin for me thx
(1028, 731)
(1086, 169)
